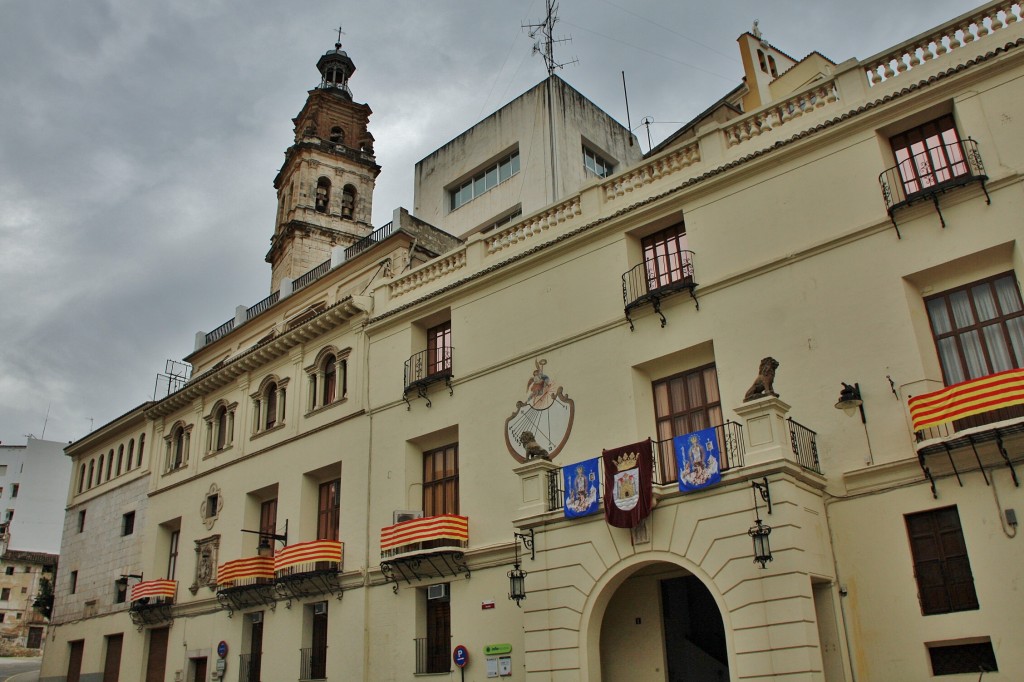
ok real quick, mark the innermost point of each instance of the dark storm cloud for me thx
(140, 141)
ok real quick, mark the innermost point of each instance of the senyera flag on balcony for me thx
(444, 527)
(967, 398)
(242, 569)
(154, 588)
(307, 552)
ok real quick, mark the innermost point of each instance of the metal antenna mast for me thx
(545, 44)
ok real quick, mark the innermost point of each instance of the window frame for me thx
(953, 595)
(439, 349)
(127, 524)
(479, 183)
(666, 257)
(955, 333)
(441, 486)
(597, 164)
(932, 141)
(328, 510)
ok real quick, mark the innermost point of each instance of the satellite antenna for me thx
(545, 44)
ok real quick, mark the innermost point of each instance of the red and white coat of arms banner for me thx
(628, 475)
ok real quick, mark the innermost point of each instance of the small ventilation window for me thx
(954, 659)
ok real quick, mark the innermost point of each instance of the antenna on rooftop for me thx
(646, 122)
(45, 420)
(545, 44)
(175, 376)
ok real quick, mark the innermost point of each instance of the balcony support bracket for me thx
(1006, 458)
(927, 474)
(423, 567)
(309, 584)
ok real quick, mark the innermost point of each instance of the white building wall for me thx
(41, 472)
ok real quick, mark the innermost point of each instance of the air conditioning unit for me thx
(401, 515)
(255, 618)
(438, 591)
(320, 608)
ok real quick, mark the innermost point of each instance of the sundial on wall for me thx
(540, 424)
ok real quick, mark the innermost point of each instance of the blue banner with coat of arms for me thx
(581, 482)
(698, 459)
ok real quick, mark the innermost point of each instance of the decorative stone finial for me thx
(763, 384)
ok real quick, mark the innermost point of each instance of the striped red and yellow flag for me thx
(308, 552)
(240, 569)
(154, 588)
(448, 527)
(967, 398)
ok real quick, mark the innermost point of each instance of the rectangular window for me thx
(9, 570)
(441, 481)
(684, 403)
(14, 490)
(81, 521)
(666, 257)
(172, 555)
(929, 154)
(439, 349)
(73, 587)
(954, 659)
(314, 659)
(120, 591)
(268, 524)
(328, 510)
(978, 328)
(128, 523)
(593, 162)
(485, 180)
(5, 594)
(941, 566)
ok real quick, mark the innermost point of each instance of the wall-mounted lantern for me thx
(517, 576)
(266, 547)
(760, 531)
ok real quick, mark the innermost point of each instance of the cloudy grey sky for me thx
(139, 141)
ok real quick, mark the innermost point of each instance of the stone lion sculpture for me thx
(763, 385)
(533, 449)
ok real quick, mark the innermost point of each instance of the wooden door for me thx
(75, 660)
(156, 663)
(112, 660)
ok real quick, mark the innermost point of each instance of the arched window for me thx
(771, 67)
(120, 459)
(142, 446)
(220, 421)
(337, 135)
(330, 379)
(131, 451)
(81, 477)
(270, 402)
(323, 194)
(99, 472)
(92, 466)
(761, 59)
(177, 447)
(348, 201)
(110, 463)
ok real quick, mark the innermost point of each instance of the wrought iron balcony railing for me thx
(730, 440)
(926, 175)
(433, 655)
(655, 279)
(313, 664)
(805, 446)
(249, 666)
(428, 367)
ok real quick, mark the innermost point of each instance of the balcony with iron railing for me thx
(244, 583)
(666, 469)
(151, 601)
(309, 569)
(426, 368)
(249, 667)
(656, 279)
(433, 655)
(313, 663)
(804, 443)
(926, 175)
(429, 547)
(973, 425)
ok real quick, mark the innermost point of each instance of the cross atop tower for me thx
(340, 33)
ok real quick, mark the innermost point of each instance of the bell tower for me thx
(325, 187)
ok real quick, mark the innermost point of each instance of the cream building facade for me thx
(343, 487)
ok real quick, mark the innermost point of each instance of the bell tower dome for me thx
(325, 187)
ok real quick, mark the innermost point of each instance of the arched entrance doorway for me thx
(663, 625)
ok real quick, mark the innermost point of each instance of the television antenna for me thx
(544, 40)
